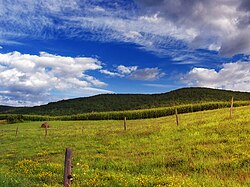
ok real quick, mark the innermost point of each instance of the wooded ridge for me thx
(121, 102)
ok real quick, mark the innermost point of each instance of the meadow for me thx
(206, 149)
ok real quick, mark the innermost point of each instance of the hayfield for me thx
(206, 149)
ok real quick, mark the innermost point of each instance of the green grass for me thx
(207, 149)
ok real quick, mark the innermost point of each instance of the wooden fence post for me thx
(125, 124)
(67, 168)
(231, 108)
(17, 131)
(177, 117)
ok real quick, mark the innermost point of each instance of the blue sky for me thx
(59, 49)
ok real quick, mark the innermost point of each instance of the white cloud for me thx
(232, 76)
(150, 36)
(33, 77)
(112, 74)
(126, 69)
(135, 73)
(103, 22)
(1, 47)
(214, 47)
(147, 74)
(187, 62)
(133, 34)
(158, 85)
(216, 25)
(158, 26)
(94, 81)
(99, 9)
(187, 59)
(151, 19)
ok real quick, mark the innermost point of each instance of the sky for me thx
(52, 50)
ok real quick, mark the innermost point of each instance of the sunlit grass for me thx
(207, 149)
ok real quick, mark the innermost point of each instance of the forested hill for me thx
(4, 109)
(118, 102)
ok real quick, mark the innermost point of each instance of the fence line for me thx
(40, 129)
(19, 130)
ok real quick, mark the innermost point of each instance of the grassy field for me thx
(206, 149)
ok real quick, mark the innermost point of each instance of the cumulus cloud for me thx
(120, 71)
(217, 25)
(232, 76)
(136, 73)
(126, 70)
(112, 74)
(26, 78)
(147, 74)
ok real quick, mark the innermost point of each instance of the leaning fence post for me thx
(67, 168)
(177, 117)
(125, 124)
(231, 108)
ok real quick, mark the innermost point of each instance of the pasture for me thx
(206, 149)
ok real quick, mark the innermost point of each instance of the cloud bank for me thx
(216, 25)
(27, 80)
(164, 27)
(231, 76)
(135, 73)
(30, 79)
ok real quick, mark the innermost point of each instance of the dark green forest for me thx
(121, 102)
(4, 109)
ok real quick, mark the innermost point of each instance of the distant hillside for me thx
(6, 108)
(118, 102)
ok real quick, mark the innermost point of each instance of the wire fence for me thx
(43, 131)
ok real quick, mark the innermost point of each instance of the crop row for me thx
(131, 114)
